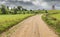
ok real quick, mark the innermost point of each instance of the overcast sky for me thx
(32, 4)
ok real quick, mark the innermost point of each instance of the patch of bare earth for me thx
(31, 27)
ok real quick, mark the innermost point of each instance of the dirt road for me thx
(31, 27)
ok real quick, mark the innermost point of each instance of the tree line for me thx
(18, 10)
(5, 10)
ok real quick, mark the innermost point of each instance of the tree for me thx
(46, 11)
(30, 10)
(19, 7)
(15, 11)
(3, 9)
(8, 7)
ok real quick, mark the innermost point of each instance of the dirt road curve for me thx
(32, 27)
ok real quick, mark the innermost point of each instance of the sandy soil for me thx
(31, 27)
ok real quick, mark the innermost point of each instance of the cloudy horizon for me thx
(32, 4)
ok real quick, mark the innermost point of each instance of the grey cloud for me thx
(51, 0)
(30, 5)
(27, 5)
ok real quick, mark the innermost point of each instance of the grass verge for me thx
(53, 22)
(7, 21)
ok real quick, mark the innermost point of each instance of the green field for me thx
(7, 21)
(57, 16)
(52, 11)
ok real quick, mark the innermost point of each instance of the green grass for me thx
(7, 21)
(57, 16)
(52, 11)
(53, 20)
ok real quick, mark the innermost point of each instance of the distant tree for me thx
(3, 9)
(46, 14)
(43, 9)
(15, 11)
(30, 10)
(24, 9)
(8, 7)
(19, 7)
(46, 11)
